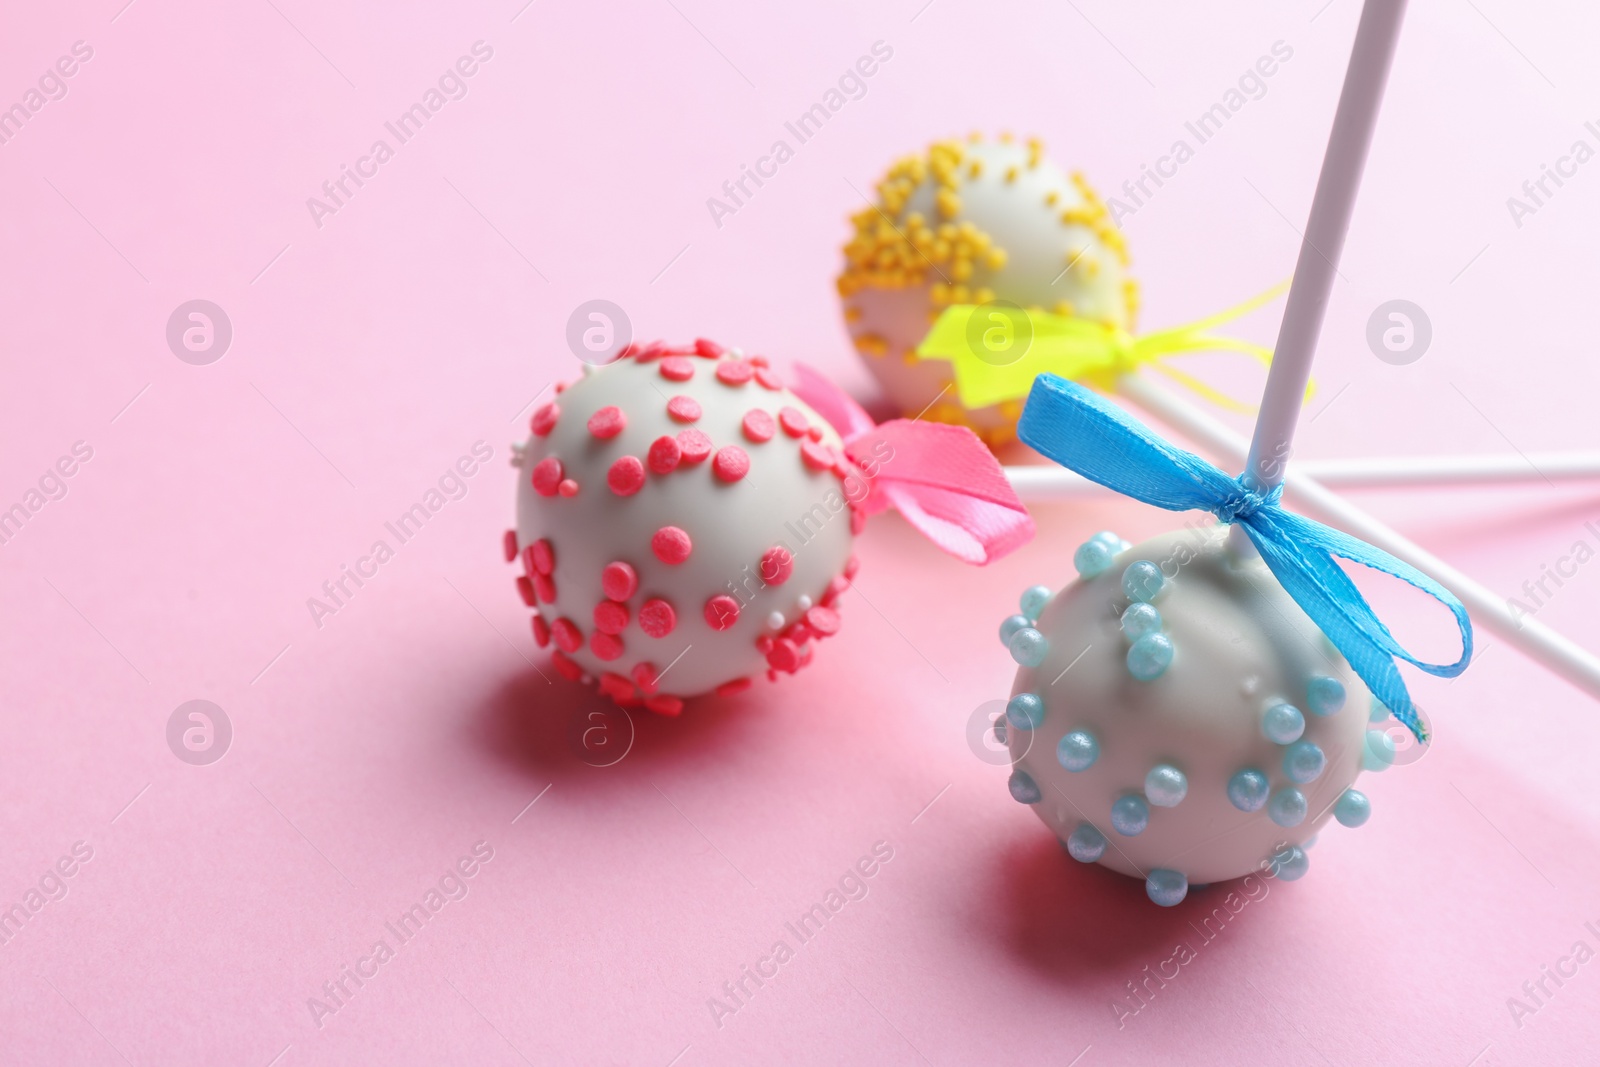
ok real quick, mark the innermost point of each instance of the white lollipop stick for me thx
(1269, 450)
(1046, 482)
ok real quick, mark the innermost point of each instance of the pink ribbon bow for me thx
(940, 477)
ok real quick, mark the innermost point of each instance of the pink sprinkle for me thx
(823, 620)
(607, 646)
(566, 667)
(738, 685)
(721, 611)
(657, 618)
(776, 566)
(836, 589)
(543, 556)
(677, 369)
(662, 704)
(785, 655)
(508, 544)
(731, 464)
(525, 587)
(615, 685)
(664, 455)
(769, 378)
(610, 617)
(764, 644)
(858, 521)
(671, 545)
(694, 445)
(541, 631)
(851, 567)
(547, 476)
(684, 408)
(817, 457)
(815, 433)
(651, 352)
(793, 421)
(568, 639)
(626, 476)
(607, 422)
(758, 361)
(646, 677)
(758, 426)
(544, 419)
(568, 487)
(545, 587)
(707, 349)
(734, 372)
(619, 580)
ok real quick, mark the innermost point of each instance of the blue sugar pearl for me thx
(1000, 728)
(1287, 807)
(1033, 600)
(1165, 786)
(1077, 751)
(1247, 790)
(1130, 815)
(1352, 808)
(1028, 647)
(1086, 844)
(1379, 712)
(1109, 537)
(1142, 580)
(1012, 624)
(1094, 558)
(1165, 887)
(1303, 761)
(1380, 751)
(1282, 724)
(1149, 657)
(1291, 863)
(1024, 790)
(1324, 695)
(1140, 619)
(1025, 711)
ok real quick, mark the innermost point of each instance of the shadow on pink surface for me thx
(570, 732)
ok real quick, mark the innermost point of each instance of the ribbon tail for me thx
(1300, 554)
(848, 418)
(945, 483)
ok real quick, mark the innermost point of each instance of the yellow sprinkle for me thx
(852, 314)
(997, 258)
(872, 344)
(1063, 307)
(1011, 174)
(1005, 137)
(949, 203)
(983, 296)
(1051, 197)
(975, 168)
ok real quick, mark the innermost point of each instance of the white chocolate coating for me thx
(780, 501)
(1241, 645)
(1020, 204)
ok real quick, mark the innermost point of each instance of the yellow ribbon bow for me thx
(997, 349)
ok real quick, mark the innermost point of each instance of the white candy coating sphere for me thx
(1165, 751)
(684, 522)
(966, 223)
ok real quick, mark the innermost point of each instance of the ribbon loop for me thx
(1100, 441)
(1080, 349)
(940, 478)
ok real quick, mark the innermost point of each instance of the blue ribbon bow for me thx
(1103, 443)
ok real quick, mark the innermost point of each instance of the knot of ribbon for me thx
(1100, 441)
(941, 478)
(997, 349)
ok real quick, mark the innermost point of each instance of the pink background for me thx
(368, 354)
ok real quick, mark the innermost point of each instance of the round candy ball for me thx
(685, 523)
(1197, 775)
(968, 223)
